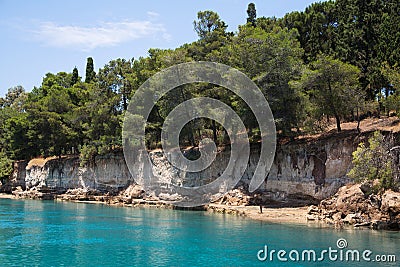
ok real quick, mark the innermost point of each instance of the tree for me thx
(317, 27)
(15, 97)
(362, 33)
(331, 86)
(213, 36)
(388, 46)
(103, 109)
(392, 91)
(90, 73)
(271, 57)
(117, 75)
(358, 27)
(251, 13)
(13, 140)
(5, 167)
(392, 74)
(75, 76)
(375, 162)
(208, 23)
(50, 111)
(65, 113)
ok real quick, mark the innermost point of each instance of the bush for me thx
(88, 153)
(375, 163)
(6, 167)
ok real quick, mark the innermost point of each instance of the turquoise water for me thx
(47, 233)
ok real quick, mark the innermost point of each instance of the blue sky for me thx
(44, 36)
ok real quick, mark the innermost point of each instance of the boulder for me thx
(391, 202)
(312, 209)
(170, 197)
(356, 205)
(351, 218)
(133, 191)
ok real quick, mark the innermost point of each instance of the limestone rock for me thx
(133, 191)
(312, 209)
(170, 197)
(313, 168)
(355, 205)
(236, 197)
(391, 202)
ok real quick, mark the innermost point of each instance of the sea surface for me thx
(47, 233)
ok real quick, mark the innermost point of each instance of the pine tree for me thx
(208, 24)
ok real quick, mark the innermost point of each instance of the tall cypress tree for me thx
(90, 74)
(251, 12)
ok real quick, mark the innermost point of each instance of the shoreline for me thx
(281, 215)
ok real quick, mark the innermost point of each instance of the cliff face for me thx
(106, 173)
(314, 168)
(17, 177)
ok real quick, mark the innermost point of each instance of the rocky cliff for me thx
(313, 168)
(105, 173)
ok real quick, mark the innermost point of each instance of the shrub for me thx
(375, 163)
(6, 167)
(88, 153)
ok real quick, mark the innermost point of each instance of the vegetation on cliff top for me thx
(335, 59)
(376, 164)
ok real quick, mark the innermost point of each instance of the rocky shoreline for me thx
(354, 205)
(235, 203)
(351, 206)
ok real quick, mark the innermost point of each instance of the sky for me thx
(44, 36)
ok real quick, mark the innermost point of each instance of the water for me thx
(47, 233)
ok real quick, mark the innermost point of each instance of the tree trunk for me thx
(333, 108)
(191, 135)
(124, 102)
(339, 129)
(214, 129)
(191, 128)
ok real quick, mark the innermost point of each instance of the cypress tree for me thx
(251, 12)
(75, 76)
(90, 74)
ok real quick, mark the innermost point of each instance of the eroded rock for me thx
(355, 205)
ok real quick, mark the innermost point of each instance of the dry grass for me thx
(391, 124)
(388, 124)
(40, 162)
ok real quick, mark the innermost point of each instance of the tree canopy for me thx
(328, 61)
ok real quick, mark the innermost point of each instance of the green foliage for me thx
(323, 62)
(362, 33)
(15, 138)
(208, 24)
(332, 87)
(271, 56)
(75, 76)
(90, 73)
(88, 153)
(252, 14)
(374, 162)
(317, 28)
(6, 167)
(391, 73)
